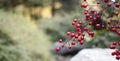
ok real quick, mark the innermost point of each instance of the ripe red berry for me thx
(106, 1)
(81, 42)
(114, 43)
(78, 29)
(87, 15)
(60, 40)
(94, 19)
(109, 4)
(109, 22)
(82, 38)
(103, 26)
(92, 11)
(112, 46)
(62, 45)
(79, 33)
(97, 25)
(85, 11)
(79, 39)
(119, 43)
(113, 29)
(118, 33)
(84, 5)
(97, 16)
(69, 47)
(85, 29)
(76, 36)
(57, 49)
(73, 43)
(68, 33)
(91, 34)
(75, 20)
(113, 53)
(90, 23)
(72, 35)
(78, 25)
(80, 22)
(73, 23)
(117, 5)
(118, 57)
(98, 2)
(85, 0)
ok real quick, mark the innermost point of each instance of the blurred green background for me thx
(29, 28)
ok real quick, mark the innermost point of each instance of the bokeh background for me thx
(30, 28)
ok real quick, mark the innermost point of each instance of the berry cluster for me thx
(91, 17)
(116, 52)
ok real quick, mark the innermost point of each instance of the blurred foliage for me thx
(10, 50)
(38, 2)
(57, 27)
(34, 42)
(70, 5)
(102, 39)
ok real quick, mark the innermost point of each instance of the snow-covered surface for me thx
(94, 55)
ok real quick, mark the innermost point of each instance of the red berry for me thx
(98, 2)
(117, 5)
(68, 33)
(94, 19)
(112, 47)
(92, 11)
(79, 33)
(97, 16)
(114, 43)
(109, 4)
(78, 29)
(73, 23)
(80, 22)
(75, 20)
(90, 17)
(103, 26)
(106, 1)
(85, 29)
(109, 22)
(97, 25)
(78, 25)
(69, 47)
(119, 43)
(76, 36)
(62, 45)
(84, 5)
(113, 29)
(87, 15)
(82, 38)
(85, 11)
(57, 49)
(72, 34)
(90, 23)
(60, 40)
(97, 13)
(118, 33)
(85, 0)
(79, 39)
(73, 43)
(81, 42)
(113, 53)
(117, 57)
(91, 34)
